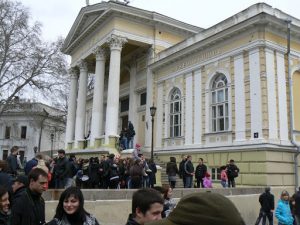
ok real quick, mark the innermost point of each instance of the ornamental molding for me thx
(100, 53)
(82, 65)
(116, 42)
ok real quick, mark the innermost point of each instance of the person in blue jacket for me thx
(283, 211)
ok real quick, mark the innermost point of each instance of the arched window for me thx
(175, 113)
(219, 103)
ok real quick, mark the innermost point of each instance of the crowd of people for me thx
(22, 203)
(108, 171)
(201, 176)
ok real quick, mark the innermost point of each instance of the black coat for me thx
(62, 168)
(5, 180)
(12, 164)
(29, 209)
(297, 201)
(188, 168)
(266, 201)
(232, 171)
(181, 168)
(131, 221)
(172, 169)
(4, 219)
(18, 194)
(200, 171)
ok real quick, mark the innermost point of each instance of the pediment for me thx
(86, 20)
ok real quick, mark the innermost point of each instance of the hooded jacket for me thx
(283, 213)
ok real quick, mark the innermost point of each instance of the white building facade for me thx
(33, 127)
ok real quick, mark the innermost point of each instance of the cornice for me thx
(209, 38)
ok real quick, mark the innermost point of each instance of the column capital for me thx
(73, 72)
(82, 65)
(116, 42)
(100, 53)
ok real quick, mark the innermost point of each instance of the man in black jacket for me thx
(19, 187)
(232, 172)
(297, 206)
(62, 170)
(12, 161)
(29, 209)
(201, 170)
(189, 172)
(181, 168)
(266, 201)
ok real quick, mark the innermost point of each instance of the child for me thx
(224, 177)
(207, 181)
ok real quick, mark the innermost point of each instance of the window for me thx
(7, 132)
(4, 154)
(23, 132)
(175, 113)
(215, 173)
(125, 105)
(143, 98)
(219, 104)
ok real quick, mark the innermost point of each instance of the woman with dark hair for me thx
(70, 209)
(172, 171)
(4, 206)
(169, 202)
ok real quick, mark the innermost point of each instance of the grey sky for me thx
(57, 16)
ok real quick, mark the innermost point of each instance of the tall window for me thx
(23, 132)
(219, 104)
(125, 105)
(143, 98)
(7, 132)
(175, 113)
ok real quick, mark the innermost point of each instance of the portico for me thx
(111, 45)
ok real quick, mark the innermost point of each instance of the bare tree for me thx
(26, 62)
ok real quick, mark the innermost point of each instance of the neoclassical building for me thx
(33, 127)
(221, 93)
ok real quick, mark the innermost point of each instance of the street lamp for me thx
(152, 113)
(52, 138)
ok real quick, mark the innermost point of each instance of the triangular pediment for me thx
(91, 17)
(86, 20)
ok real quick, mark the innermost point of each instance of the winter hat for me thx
(22, 179)
(207, 174)
(203, 208)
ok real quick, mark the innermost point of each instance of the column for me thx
(97, 113)
(112, 110)
(272, 100)
(282, 98)
(197, 107)
(255, 94)
(240, 101)
(132, 97)
(159, 115)
(148, 128)
(81, 103)
(189, 123)
(70, 129)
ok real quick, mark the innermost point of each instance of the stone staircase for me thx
(164, 176)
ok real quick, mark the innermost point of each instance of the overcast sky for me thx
(57, 16)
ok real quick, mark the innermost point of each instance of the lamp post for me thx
(52, 139)
(152, 113)
(44, 115)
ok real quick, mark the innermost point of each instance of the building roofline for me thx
(107, 8)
